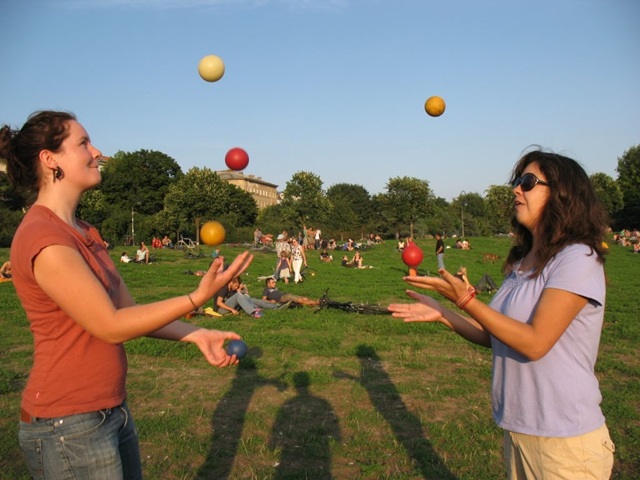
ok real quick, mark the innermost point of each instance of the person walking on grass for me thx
(543, 325)
(439, 250)
(74, 420)
(298, 258)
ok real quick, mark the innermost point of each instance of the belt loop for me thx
(26, 416)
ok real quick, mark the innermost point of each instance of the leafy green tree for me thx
(352, 207)
(139, 179)
(499, 207)
(304, 200)
(200, 195)
(11, 210)
(469, 211)
(406, 201)
(440, 219)
(241, 206)
(609, 193)
(9, 197)
(271, 220)
(629, 181)
(93, 208)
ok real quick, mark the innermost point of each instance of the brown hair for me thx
(45, 130)
(572, 214)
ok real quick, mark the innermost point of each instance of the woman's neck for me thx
(63, 207)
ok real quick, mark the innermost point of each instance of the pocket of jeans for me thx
(32, 452)
(80, 425)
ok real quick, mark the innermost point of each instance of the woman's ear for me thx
(48, 159)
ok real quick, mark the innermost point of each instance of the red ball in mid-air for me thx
(236, 159)
(412, 255)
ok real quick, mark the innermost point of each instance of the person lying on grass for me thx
(273, 295)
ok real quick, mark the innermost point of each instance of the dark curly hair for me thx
(44, 130)
(572, 214)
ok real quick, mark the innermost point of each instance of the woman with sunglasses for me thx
(74, 420)
(543, 325)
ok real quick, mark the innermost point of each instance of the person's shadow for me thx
(228, 418)
(303, 432)
(406, 426)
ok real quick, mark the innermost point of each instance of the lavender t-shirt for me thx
(557, 395)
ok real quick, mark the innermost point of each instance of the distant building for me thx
(264, 193)
(102, 161)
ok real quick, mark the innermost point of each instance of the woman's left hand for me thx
(211, 344)
(217, 277)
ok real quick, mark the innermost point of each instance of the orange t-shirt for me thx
(73, 371)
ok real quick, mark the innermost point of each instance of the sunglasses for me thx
(527, 182)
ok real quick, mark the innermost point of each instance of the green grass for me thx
(329, 394)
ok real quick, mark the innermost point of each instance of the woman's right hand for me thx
(425, 310)
(447, 285)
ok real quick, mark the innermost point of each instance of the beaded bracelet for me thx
(192, 302)
(466, 298)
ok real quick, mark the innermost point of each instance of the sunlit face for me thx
(529, 205)
(78, 158)
(271, 283)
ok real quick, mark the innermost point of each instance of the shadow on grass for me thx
(406, 426)
(304, 429)
(229, 416)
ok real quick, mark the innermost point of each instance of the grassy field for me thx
(329, 394)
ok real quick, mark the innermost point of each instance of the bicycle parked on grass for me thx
(190, 248)
(352, 307)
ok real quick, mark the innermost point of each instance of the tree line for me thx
(145, 194)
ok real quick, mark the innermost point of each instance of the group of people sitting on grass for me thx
(235, 297)
(142, 255)
(356, 262)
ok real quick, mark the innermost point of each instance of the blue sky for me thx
(335, 87)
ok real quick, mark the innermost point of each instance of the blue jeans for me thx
(236, 299)
(440, 260)
(100, 445)
(258, 302)
(247, 304)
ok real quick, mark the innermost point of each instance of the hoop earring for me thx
(58, 174)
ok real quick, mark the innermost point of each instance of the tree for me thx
(608, 192)
(139, 179)
(469, 210)
(241, 206)
(440, 219)
(198, 196)
(629, 181)
(201, 195)
(304, 200)
(353, 207)
(271, 220)
(499, 207)
(406, 201)
(93, 208)
(11, 210)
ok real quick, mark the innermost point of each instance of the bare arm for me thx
(429, 310)
(220, 304)
(65, 276)
(553, 314)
